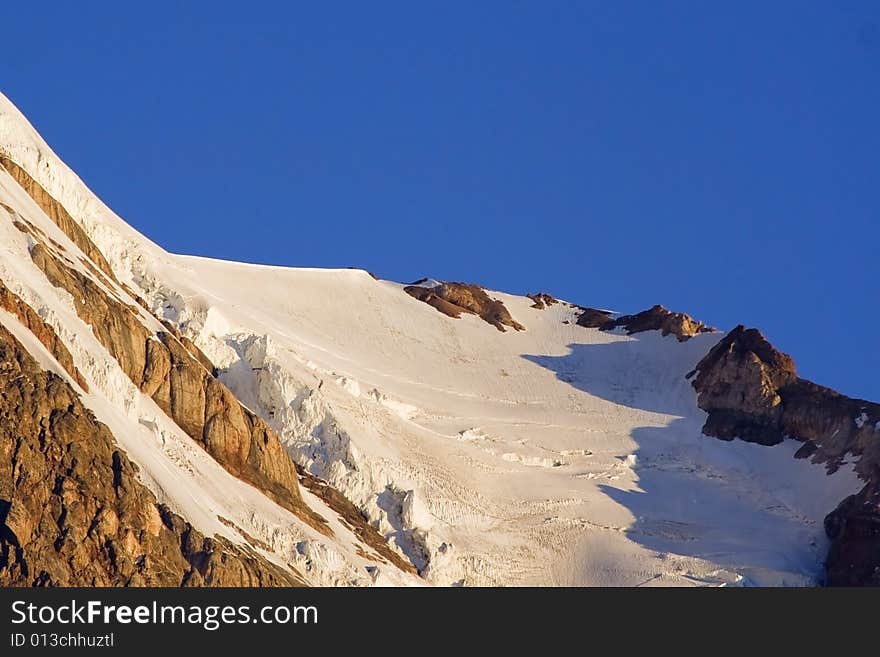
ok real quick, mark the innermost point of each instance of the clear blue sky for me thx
(721, 160)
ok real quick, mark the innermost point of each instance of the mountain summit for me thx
(173, 420)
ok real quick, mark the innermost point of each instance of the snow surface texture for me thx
(554, 456)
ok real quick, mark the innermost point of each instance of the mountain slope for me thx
(501, 440)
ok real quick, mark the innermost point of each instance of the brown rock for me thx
(738, 384)
(592, 318)
(657, 318)
(56, 212)
(453, 299)
(72, 511)
(542, 300)
(179, 383)
(13, 304)
(115, 325)
(751, 391)
(660, 319)
(854, 529)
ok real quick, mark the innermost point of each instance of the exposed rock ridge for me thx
(657, 318)
(751, 391)
(72, 511)
(164, 369)
(453, 299)
(13, 304)
(172, 370)
(56, 212)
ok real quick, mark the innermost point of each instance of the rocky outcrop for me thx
(657, 318)
(11, 303)
(56, 212)
(751, 391)
(114, 324)
(453, 299)
(72, 511)
(738, 385)
(542, 300)
(593, 318)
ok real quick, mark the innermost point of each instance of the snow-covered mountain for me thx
(177, 420)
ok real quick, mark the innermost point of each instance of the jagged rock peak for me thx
(751, 391)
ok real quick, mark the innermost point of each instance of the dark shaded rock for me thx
(854, 529)
(592, 318)
(656, 318)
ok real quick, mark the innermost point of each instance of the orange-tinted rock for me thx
(453, 299)
(13, 304)
(542, 300)
(72, 510)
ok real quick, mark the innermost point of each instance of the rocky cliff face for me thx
(751, 391)
(11, 303)
(58, 214)
(854, 530)
(72, 511)
(178, 381)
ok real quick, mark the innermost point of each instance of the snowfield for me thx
(558, 455)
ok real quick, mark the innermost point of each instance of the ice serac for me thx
(751, 391)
